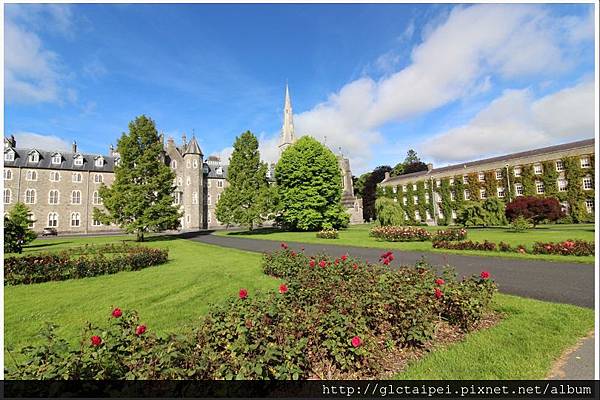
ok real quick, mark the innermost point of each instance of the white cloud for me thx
(40, 141)
(456, 59)
(516, 121)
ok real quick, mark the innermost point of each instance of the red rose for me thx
(355, 266)
(283, 288)
(356, 341)
(322, 264)
(391, 257)
(243, 293)
(439, 281)
(140, 329)
(337, 261)
(284, 246)
(386, 261)
(293, 254)
(312, 263)
(484, 275)
(117, 312)
(438, 293)
(96, 341)
(344, 257)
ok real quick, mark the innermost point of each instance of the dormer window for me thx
(56, 159)
(117, 161)
(9, 155)
(99, 162)
(219, 171)
(34, 157)
(78, 160)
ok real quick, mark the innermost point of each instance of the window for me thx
(588, 183)
(395, 200)
(75, 219)
(31, 218)
(467, 194)
(438, 183)
(99, 162)
(416, 199)
(30, 196)
(519, 189)
(174, 164)
(188, 218)
(95, 222)
(451, 181)
(52, 220)
(9, 156)
(465, 179)
(53, 197)
(176, 198)
(56, 159)
(585, 162)
(404, 201)
(560, 166)
(208, 199)
(394, 189)
(179, 181)
(481, 177)
(195, 163)
(7, 196)
(537, 169)
(426, 198)
(76, 197)
(453, 214)
(98, 178)
(34, 157)
(482, 194)
(54, 176)
(404, 188)
(414, 186)
(189, 164)
(220, 183)
(417, 216)
(501, 192)
(452, 196)
(117, 161)
(589, 205)
(31, 175)
(539, 187)
(77, 177)
(78, 160)
(517, 172)
(96, 198)
(7, 174)
(209, 219)
(498, 174)
(188, 180)
(427, 215)
(218, 197)
(219, 171)
(562, 185)
(195, 198)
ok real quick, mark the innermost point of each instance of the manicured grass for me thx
(171, 298)
(524, 345)
(358, 235)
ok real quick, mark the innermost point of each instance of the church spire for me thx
(287, 137)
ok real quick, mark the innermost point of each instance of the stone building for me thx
(564, 171)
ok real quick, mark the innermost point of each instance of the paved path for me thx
(550, 281)
(577, 363)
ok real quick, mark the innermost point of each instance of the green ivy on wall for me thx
(491, 184)
(528, 180)
(410, 204)
(549, 177)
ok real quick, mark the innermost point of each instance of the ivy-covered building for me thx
(564, 171)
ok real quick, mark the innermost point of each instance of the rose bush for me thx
(465, 245)
(400, 233)
(450, 234)
(328, 234)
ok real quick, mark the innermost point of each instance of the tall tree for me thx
(309, 184)
(412, 163)
(140, 198)
(248, 200)
(370, 191)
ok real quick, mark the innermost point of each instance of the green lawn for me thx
(171, 298)
(358, 235)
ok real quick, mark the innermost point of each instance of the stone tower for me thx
(193, 184)
(287, 137)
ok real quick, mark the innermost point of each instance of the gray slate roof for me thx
(45, 162)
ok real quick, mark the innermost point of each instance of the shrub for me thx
(328, 234)
(568, 247)
(534, 209)
(388, 212)
(487, 213)
(61, 266)
(520, 224)
(466, 245)
(450, 234)
(400, 233)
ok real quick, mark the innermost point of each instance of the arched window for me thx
(99, 162)
(195, 163)
(7, 174)
(31, 175)
(53, 197)
(75, 219)
(77, 177)
(98, 178)
(9, 156)
(96, 199)
(188, 180)
(189, 165)
(56, 159)
(54, 176)
(76, 197)
(7, 196)
(30, 196)
(195, 198)
(34, 157)
(53, 220)
(174, 164)
(78, 160)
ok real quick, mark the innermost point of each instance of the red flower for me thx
(322, 264)
(355, 266)
(283, 288)
(96, 341)
(391, 257)
(293, 254)
(284, 246)
(344, 257)
(140, 329)
(312, 263)
(117, 312)
(439, 281)
(438, 293)
(356, 341)
(484, 275)
(386, 261)
(243, 293)
(337, 261)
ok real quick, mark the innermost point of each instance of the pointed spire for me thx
(287, 130)
(193, 147)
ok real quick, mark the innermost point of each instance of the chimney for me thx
(387, 176)
(183, 140)
(13, 141)
(111, 150)
(429, 167)
(74, 147)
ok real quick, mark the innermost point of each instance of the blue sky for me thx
(454, 82)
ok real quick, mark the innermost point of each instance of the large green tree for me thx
(16, 228)
(248, 200)
(140, 198)
(369, 193)
(309, 185)
(412, 163)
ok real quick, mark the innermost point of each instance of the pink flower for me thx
(344, 257)
(356, 341)
(312, 263)
(293, 254)
(439, 281)
(284, 246)
(140, 330)
(438, 293)
(117, 312)
(243, 293)
(484, 275)
(283, 288)
(355, 266)
(322, 264)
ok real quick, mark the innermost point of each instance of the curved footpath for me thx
(569, 283)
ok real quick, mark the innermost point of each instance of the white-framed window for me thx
(30, 196)
(188, 218)
(98, 178)
(9, 156)
(179, 181)
(427, 215)
(417, 216)
(95, 222)
(218, 197)
(467, 194)
(465, 179)
(395, 200)
(482, 194)
(53, 197)
(7, 174)
(219, 171)
(176, 198)
(78, 160)
(188, 181)
(75, 219)
(188, 164)
(539, 187)
(560, 166)
(208, 199)
(404, 201)
(453, 214)
(220, 183)
(404, 188)
(31, 175)
(519, 189)
(31, 217)
(7, 196)
(414, 186)
(501, 192)
(56, 159)
(481, 177)
(452, 196)
(96, 198)
(438, 183)
(517, 171)
(538, 169)
(415, 199)
(76, 197)
(52, 220)
(589, 205)
(588, 183)
(498, 174)
(451, 181)
(209, 218)
(195, 198)
(99, 162)
(117, 161)
(426, 198)
(195, 163)
(54, 176)
(34, 157)
(562, 185)
(174, 164)
(394, 189)
(77, 177)
(585, 162)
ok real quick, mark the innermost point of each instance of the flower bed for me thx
(450, 234)
(332, 318)
(400, 233)
(566, 248)
(63, 266)
(328, 234)
(465, 245)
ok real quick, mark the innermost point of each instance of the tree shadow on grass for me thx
(258, 231)
(37, 246)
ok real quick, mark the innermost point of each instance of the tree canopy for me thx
(412, 163)
(370, 191)
(16, 228)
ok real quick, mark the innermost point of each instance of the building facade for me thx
(564, 171)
